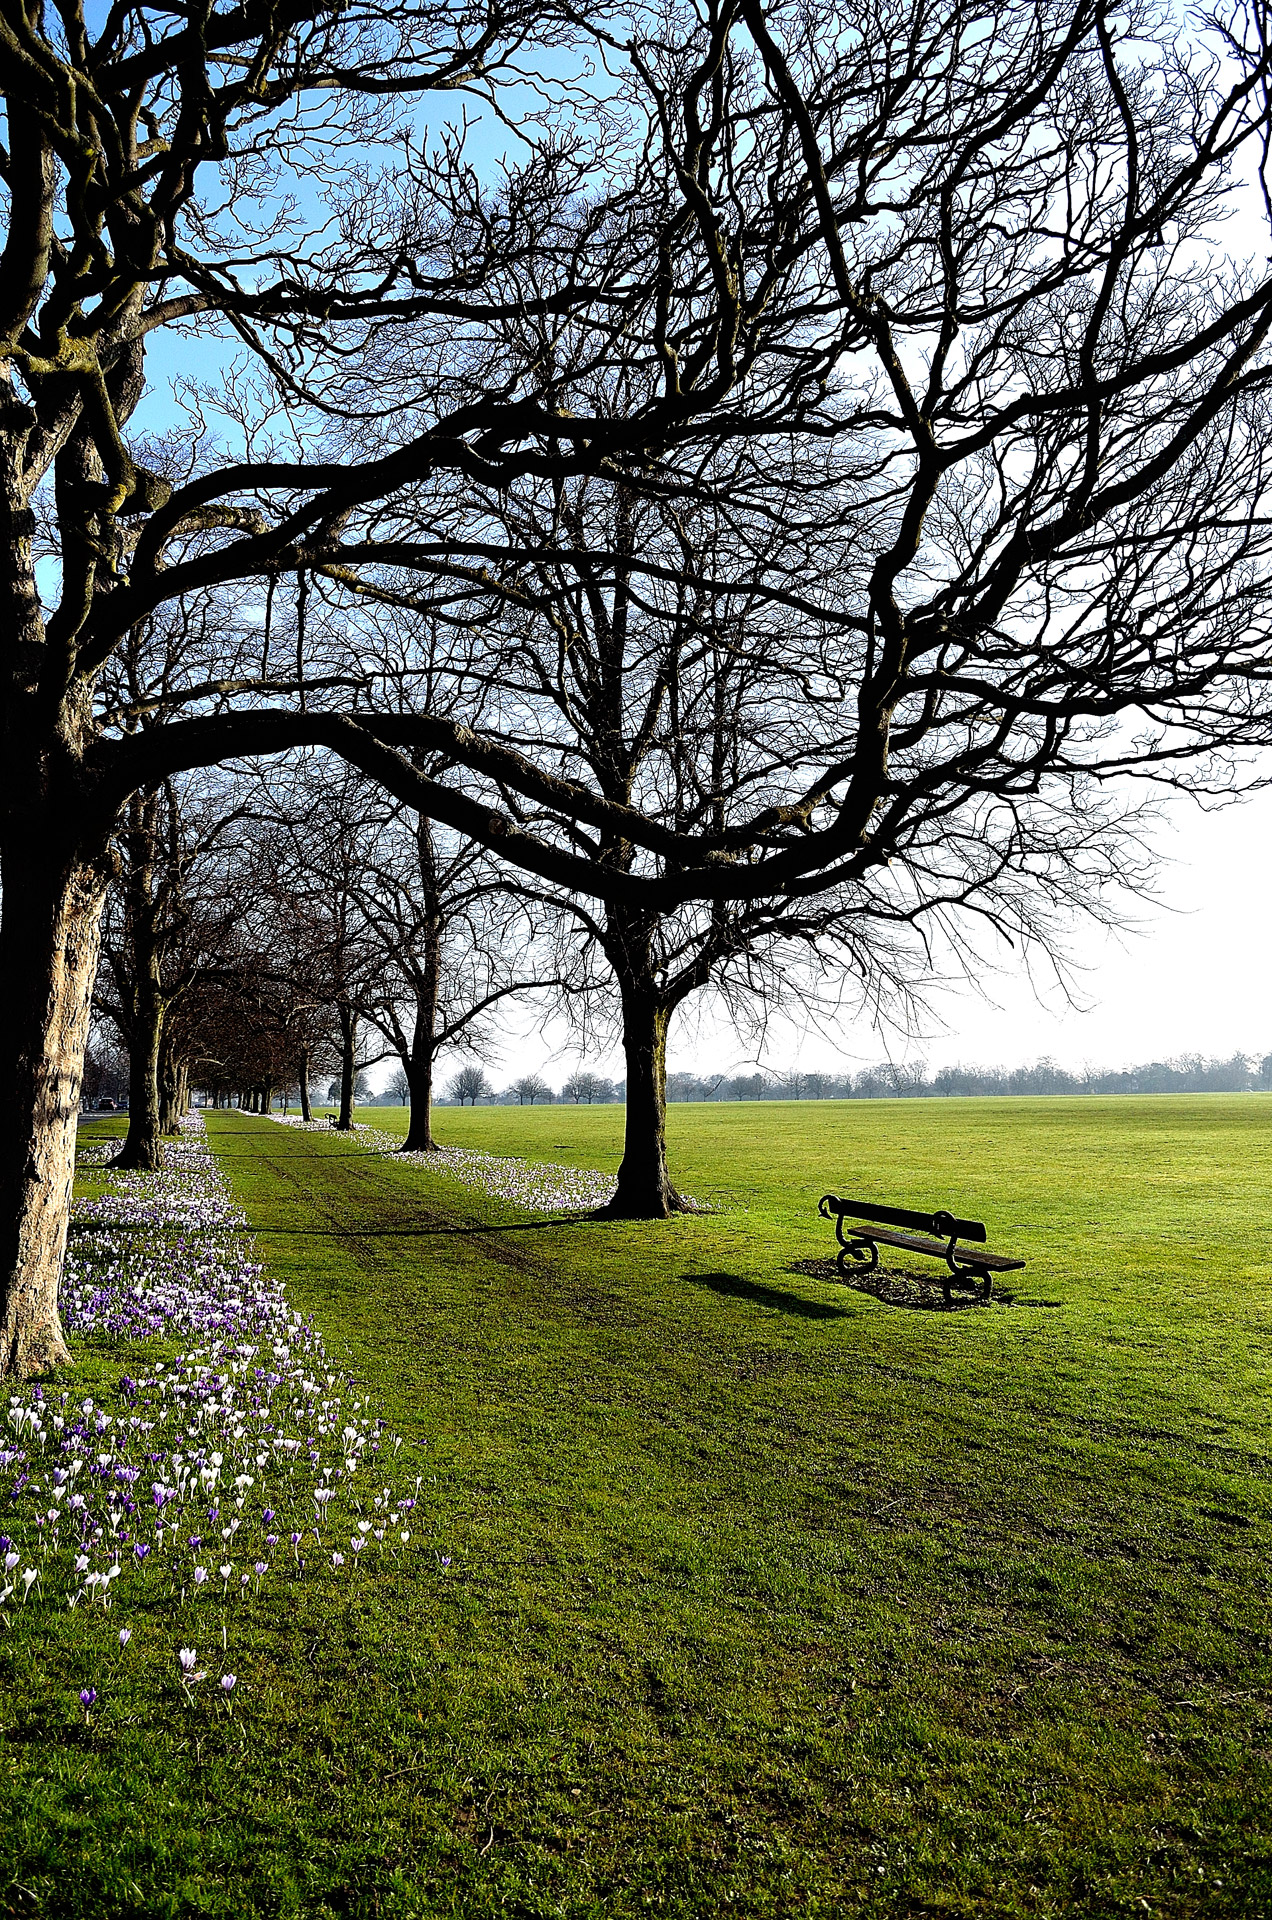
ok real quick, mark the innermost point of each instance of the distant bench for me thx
(861, 1243)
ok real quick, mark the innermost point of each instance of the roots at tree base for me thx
(648, 1207)
(138, 1158)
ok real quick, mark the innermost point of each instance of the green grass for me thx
(763, 1597)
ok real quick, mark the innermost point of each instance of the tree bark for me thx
(428, 988)
(419, 1067)
(645, 1190)
(305, 1113)
(136, 966)
(348, 1066)
(48, 962)
(174, 1088)
(141, 1149)
(419, 1073)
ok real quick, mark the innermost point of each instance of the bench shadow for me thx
(733, 1287)
(897, 1287)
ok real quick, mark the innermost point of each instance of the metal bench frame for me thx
(861, 1246)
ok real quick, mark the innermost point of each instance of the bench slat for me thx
(918, 1243)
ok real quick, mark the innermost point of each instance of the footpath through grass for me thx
(752, 1594)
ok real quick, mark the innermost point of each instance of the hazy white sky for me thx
(1192, 977)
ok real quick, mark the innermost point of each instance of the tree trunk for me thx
(348, 1066)
(644, 1188)
(48, 962)
(137, 977)
(419, 1068)
(141, 1148)
(428, 985)
(419, 1073)
(173, 1098)
(305, 1113)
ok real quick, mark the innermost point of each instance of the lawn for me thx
(741, 1593)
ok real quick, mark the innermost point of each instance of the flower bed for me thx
(204, 1468)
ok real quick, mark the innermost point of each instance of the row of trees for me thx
(262, 931)
(1189, 1073)
(582, 1088)
(763, 496)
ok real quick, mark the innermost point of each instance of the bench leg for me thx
(968, 1271)
(978, 1277)
(863, 1253)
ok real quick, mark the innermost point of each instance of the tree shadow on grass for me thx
(430, 1230)
(733, 1287)
(254, 1154)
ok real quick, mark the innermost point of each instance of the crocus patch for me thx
(244, 1445)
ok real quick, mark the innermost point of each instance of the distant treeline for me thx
(1188, 1073)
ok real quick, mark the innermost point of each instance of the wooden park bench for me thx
(935, 1234)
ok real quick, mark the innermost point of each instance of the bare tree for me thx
(531, 1089)
(410, 930)
(618, 654)
(169, 922)
(583, 1086)
(316, 844)
(455, 940)
(469, 1086)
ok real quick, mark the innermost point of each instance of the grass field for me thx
(743, 1593)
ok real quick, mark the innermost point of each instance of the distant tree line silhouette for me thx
(1184, 1073)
